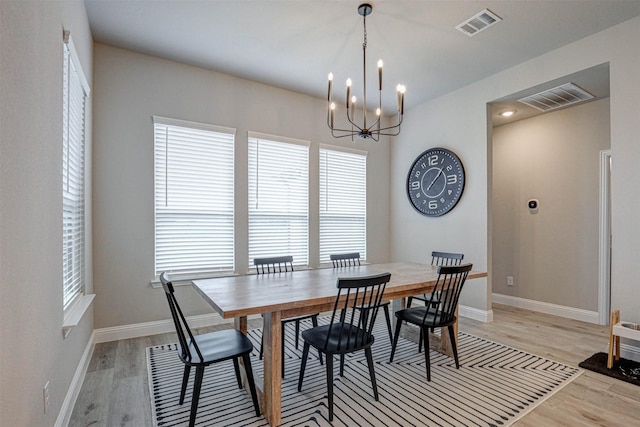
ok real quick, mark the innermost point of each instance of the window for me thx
(343, 203)
(278, 198)
(194, 199)
(75, 92)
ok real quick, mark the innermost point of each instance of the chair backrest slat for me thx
(442, 303)
(446, 258)
(345, 260)
(180, 322)
(356, 308)
(279, 264)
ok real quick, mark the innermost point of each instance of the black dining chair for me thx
(440, 310)
(202, 350)
(346, 331)
(282, 264)
(437, 258)
(351, 260)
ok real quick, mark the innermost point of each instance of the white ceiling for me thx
(294, 44)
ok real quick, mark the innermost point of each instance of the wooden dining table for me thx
(286, 294)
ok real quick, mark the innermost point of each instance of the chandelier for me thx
(365, 130)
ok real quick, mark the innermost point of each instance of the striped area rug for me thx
(495, 386)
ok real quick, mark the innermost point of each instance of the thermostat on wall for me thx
(533, 204)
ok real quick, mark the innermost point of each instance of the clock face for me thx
(435, 182)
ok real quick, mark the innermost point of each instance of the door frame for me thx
(604, 252)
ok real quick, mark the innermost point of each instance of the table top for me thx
(307, 291)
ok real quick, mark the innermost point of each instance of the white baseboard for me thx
(135, 330)
(475, 313)
(630, 352)
(548, 308)
(64, 416)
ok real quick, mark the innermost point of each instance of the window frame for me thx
(347, 194)
(298, 247)
(214, 216)
(74, 176)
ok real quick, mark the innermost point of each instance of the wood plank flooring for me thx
(115, 390)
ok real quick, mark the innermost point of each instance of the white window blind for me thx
(194, 197)
(75, 92)
(343, 203)
(278, 198)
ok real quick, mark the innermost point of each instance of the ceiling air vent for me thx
(481, 21)
(557, 97)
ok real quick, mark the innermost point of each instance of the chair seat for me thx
(340, 341)
(416, 315)
(218, 346)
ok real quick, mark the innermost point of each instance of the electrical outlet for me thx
(509, 280)
(45, 397)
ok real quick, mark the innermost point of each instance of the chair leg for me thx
(342, 365)
(395, 339)
(252, 385)
(185, 380)
(303, 364)
(409, 300)
(420, 343)
(196, 395)
(427, 358)
(372, 372)
(330, 385)
(282, 348)
(386, 314)
(297, 332)
(454, 347)
(314, 323)
(261, 343)
(236, 367)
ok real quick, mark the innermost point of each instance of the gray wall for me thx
(552, 252)
(459, 121)
(33, 350)
(129, 89)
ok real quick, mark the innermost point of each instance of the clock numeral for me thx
(423, 165)
(442, 200)
(452, 179)
(433, 204)
(418, 195)
(433, 160)
(417, 175)
(449, 168)
(415, 185)
(449, 192)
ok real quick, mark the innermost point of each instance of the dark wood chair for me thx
(353, 259)
(346, 331)
(345, 260)
(282, 264)
(440, 310)
(203, 350)
(437, 258)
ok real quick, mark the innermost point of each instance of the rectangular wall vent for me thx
(560, 96)
(479, 22)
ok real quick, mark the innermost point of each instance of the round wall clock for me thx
(435, 182)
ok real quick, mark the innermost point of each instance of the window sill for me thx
(185, 279)
(74, 315)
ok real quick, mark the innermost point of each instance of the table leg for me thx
(272, 336)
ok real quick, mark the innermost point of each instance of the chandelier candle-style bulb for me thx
(363, 129)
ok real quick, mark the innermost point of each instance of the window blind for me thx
(194, 197)
(278, 198)
(75, 92)
(343, 203)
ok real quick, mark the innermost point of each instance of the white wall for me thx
(129, 89)
(459, 121)
(32, 350)
(551, 252)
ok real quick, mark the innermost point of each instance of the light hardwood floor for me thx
(115, 390)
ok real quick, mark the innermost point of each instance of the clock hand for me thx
(434, 179)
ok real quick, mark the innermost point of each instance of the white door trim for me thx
(604, 252)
